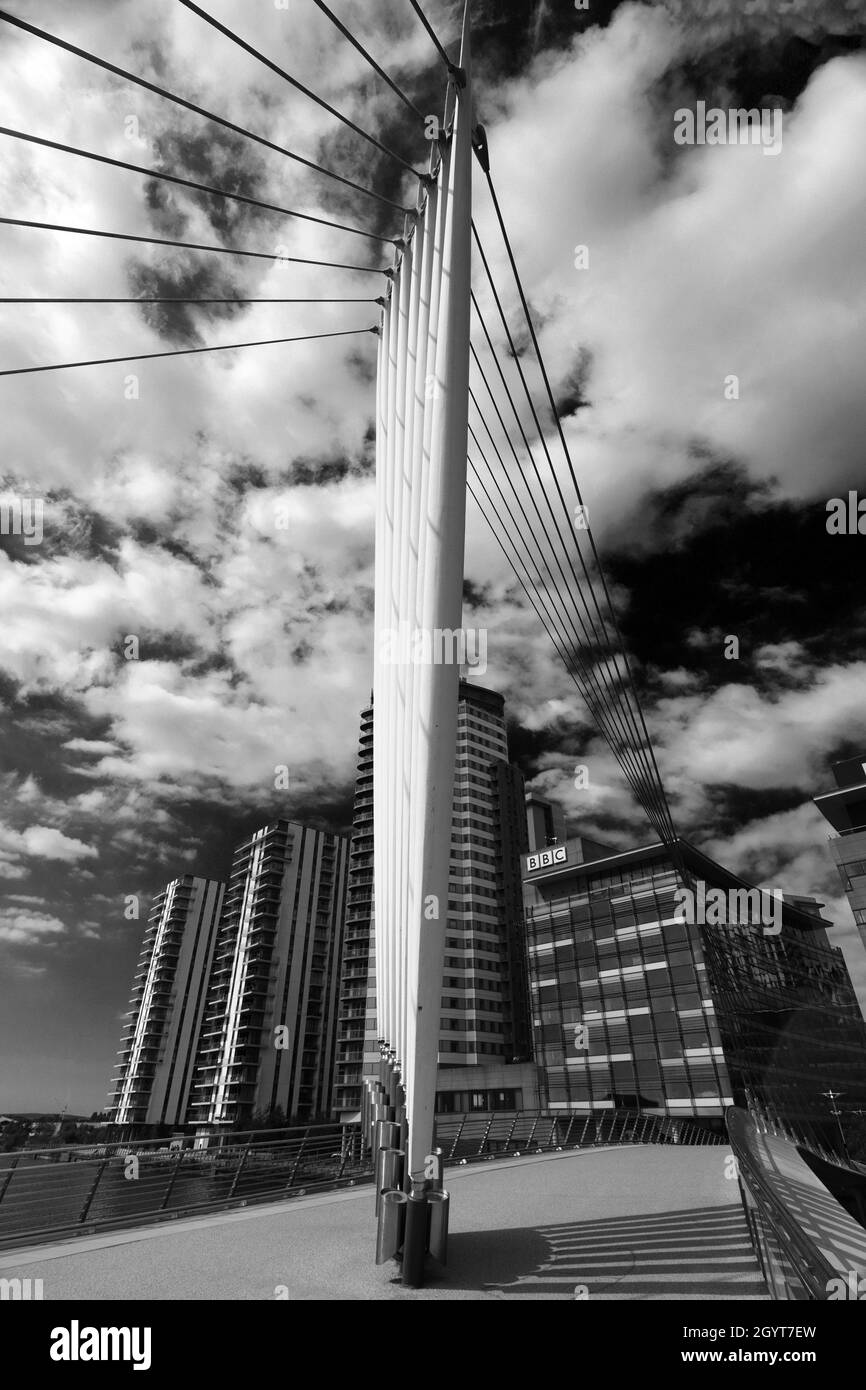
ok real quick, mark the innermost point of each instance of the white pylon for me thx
(421, 435)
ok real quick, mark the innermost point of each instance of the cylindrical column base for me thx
(388, 1135)
(389, 1172)
(439, 1206)
(392, 1218)
(415, 1238)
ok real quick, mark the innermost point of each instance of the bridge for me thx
(643, 1212)
(629, 1206)
(655, 1222)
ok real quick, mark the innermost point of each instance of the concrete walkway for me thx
(628, 1223)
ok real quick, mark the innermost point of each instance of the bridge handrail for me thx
(811, 1267)
(74, 1189)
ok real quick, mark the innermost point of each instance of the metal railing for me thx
(792, 1264)
(501, 1133)
(86, 1188)
(80, 1189)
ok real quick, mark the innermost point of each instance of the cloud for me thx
(162, 503)
(18, 926)
(93, 746)
(41, 842)
(48, 843)
(703, 262)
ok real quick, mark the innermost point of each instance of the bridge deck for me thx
(654, 1222)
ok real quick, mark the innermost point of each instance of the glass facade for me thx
(845, 810)
(468, 1102)
(621, 1007)
(632, 1006)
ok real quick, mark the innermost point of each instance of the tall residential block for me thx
(640, 1001)
(159, 1042)
(356, 1015)
(485, 1044)
(267, 1042)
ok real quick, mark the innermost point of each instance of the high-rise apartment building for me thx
(644, 998)
(159, 1042)
(485, 1038)
(267, 1042)
(845, 809)
(357, 1048)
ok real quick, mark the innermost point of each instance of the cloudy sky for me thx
(165, 483)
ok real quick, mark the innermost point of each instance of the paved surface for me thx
(654, 1222)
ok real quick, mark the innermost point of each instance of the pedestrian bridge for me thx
(634, 1222)
(613, 1206)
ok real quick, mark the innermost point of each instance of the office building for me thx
(485, 1046)
(267, 1042)
(642, 1003)
(845, 809)
(159, 1041)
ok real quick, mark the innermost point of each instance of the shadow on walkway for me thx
(702, 1253)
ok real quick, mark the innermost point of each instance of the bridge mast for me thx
(422, 419)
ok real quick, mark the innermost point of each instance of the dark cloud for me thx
(733, 560)
(184, 278)
(222, 160)
(319, 472)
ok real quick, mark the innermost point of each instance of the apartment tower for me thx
(485, 1037)
(159, 1041)
(267, 1043)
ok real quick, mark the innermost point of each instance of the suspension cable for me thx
(372, 61)
(593, 708)
(668, 819)
(621, 743)
(299, 86)
(184, 245)
(183, 352)
(171, 299)
(605, 641)
(190, 183)
(428, 26)
(199, 110)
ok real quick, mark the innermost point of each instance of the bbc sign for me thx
(545, 858)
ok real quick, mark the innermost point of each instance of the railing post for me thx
(241, 1161)
(344, 1153)
(170, 1188)
(511, 1131)
(298, 1158)
(534, 1128)
(586, 1124)
(457, 1138)
(485, 1134)
(568, 1132)
(92, 1193)
(7, 1180)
